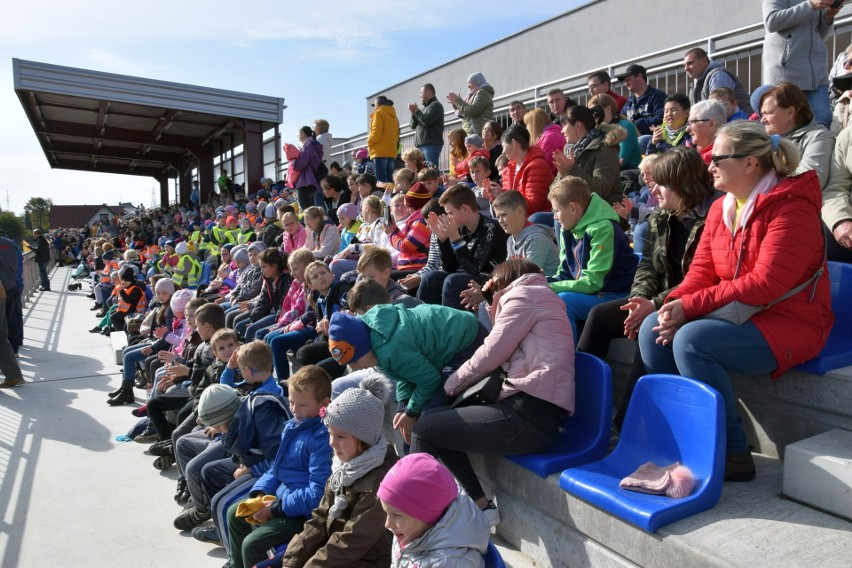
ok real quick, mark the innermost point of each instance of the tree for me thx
(13, 225)
(37, 212)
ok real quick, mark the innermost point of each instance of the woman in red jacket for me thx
(528, 171)
(762, 240)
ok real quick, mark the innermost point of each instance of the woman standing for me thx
(306, 165)
(763, 240)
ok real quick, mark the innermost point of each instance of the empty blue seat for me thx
(669, 419)
(492, 557)
(837, 352)
(205, 274)
(583, 437)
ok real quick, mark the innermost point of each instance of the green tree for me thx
(13, 225)
(37, 211)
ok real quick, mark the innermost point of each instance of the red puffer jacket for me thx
(533, 180)
(782, 247)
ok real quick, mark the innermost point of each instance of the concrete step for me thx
(752, 525)
(818, 472)
(775, 413)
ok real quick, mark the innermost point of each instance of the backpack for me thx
(322, 171)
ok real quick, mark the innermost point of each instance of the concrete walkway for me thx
(70, 495)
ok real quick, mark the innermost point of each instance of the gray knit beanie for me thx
(241, 256)
(218, 404)
(361, 411)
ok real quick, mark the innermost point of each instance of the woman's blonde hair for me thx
(536, 120)
(413, 155)
(374, 203)
(750, 139)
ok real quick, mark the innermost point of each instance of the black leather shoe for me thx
(739, 467)
(125, 396)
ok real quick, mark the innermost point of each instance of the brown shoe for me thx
(739, 467)
(9, 383)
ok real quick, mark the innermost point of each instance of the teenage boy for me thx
(429, 178)
(528, 240)
(206, 464)
(596, 262)
(418, 348)
(284, 498)
(471, 245)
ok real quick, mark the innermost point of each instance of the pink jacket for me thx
(531, 339)
(551, 139)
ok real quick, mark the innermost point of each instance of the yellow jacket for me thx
(384, 133)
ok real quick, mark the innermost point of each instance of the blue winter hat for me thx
(757, 95)
(348, 338)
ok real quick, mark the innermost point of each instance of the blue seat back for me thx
(205, 274)
(671, 418)
(837, 352)
(591, 423)
(584, 436)
(492, 557)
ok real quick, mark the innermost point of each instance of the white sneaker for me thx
(492, 515)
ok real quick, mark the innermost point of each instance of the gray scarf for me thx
(345, 474)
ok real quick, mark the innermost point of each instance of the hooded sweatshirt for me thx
(595, 256)
(535, 243)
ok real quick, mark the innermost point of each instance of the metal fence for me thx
(740, 50)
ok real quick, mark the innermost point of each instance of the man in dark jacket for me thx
(42, 257)
(428, 124)
(645, 104)
(9, 291)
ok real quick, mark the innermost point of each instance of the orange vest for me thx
(126, 308)
(109, 266)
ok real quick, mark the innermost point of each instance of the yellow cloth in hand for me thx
(249, 507)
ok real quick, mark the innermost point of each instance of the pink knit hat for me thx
(419, 486)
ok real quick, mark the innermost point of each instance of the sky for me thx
(324, 58)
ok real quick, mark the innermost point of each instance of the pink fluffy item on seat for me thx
(674, 480)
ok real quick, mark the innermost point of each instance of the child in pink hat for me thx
(432, 523)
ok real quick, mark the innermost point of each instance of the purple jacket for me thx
(531, 339)
(307, 163)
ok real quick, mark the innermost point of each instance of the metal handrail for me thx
(501, 102)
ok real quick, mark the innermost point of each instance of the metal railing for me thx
(741, 49)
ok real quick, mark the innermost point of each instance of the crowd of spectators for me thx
(381, 289)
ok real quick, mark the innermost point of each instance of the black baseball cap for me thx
(633, 70)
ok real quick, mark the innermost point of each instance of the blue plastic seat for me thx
(583, 437)
(837, 352)
(669, 419)
(205, 274)
(492, 557)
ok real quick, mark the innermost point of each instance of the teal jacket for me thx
(413, 345)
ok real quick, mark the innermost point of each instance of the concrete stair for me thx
(752, 525)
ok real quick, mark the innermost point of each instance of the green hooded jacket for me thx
(413, 345)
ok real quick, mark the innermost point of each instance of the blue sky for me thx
(323, 58)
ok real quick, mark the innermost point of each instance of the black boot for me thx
(124, 396)
(181, 489)
(114, 393)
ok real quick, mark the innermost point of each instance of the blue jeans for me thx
(42, 273)
(640, 236)
(133, 355)
(643, 142)
(438, 287)
(248, 329)
(707, 350)
(579, 305)
(818, 99)
(384, 169)
(281, 342)
(432, 153)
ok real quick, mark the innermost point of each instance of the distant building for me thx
(78, 216)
